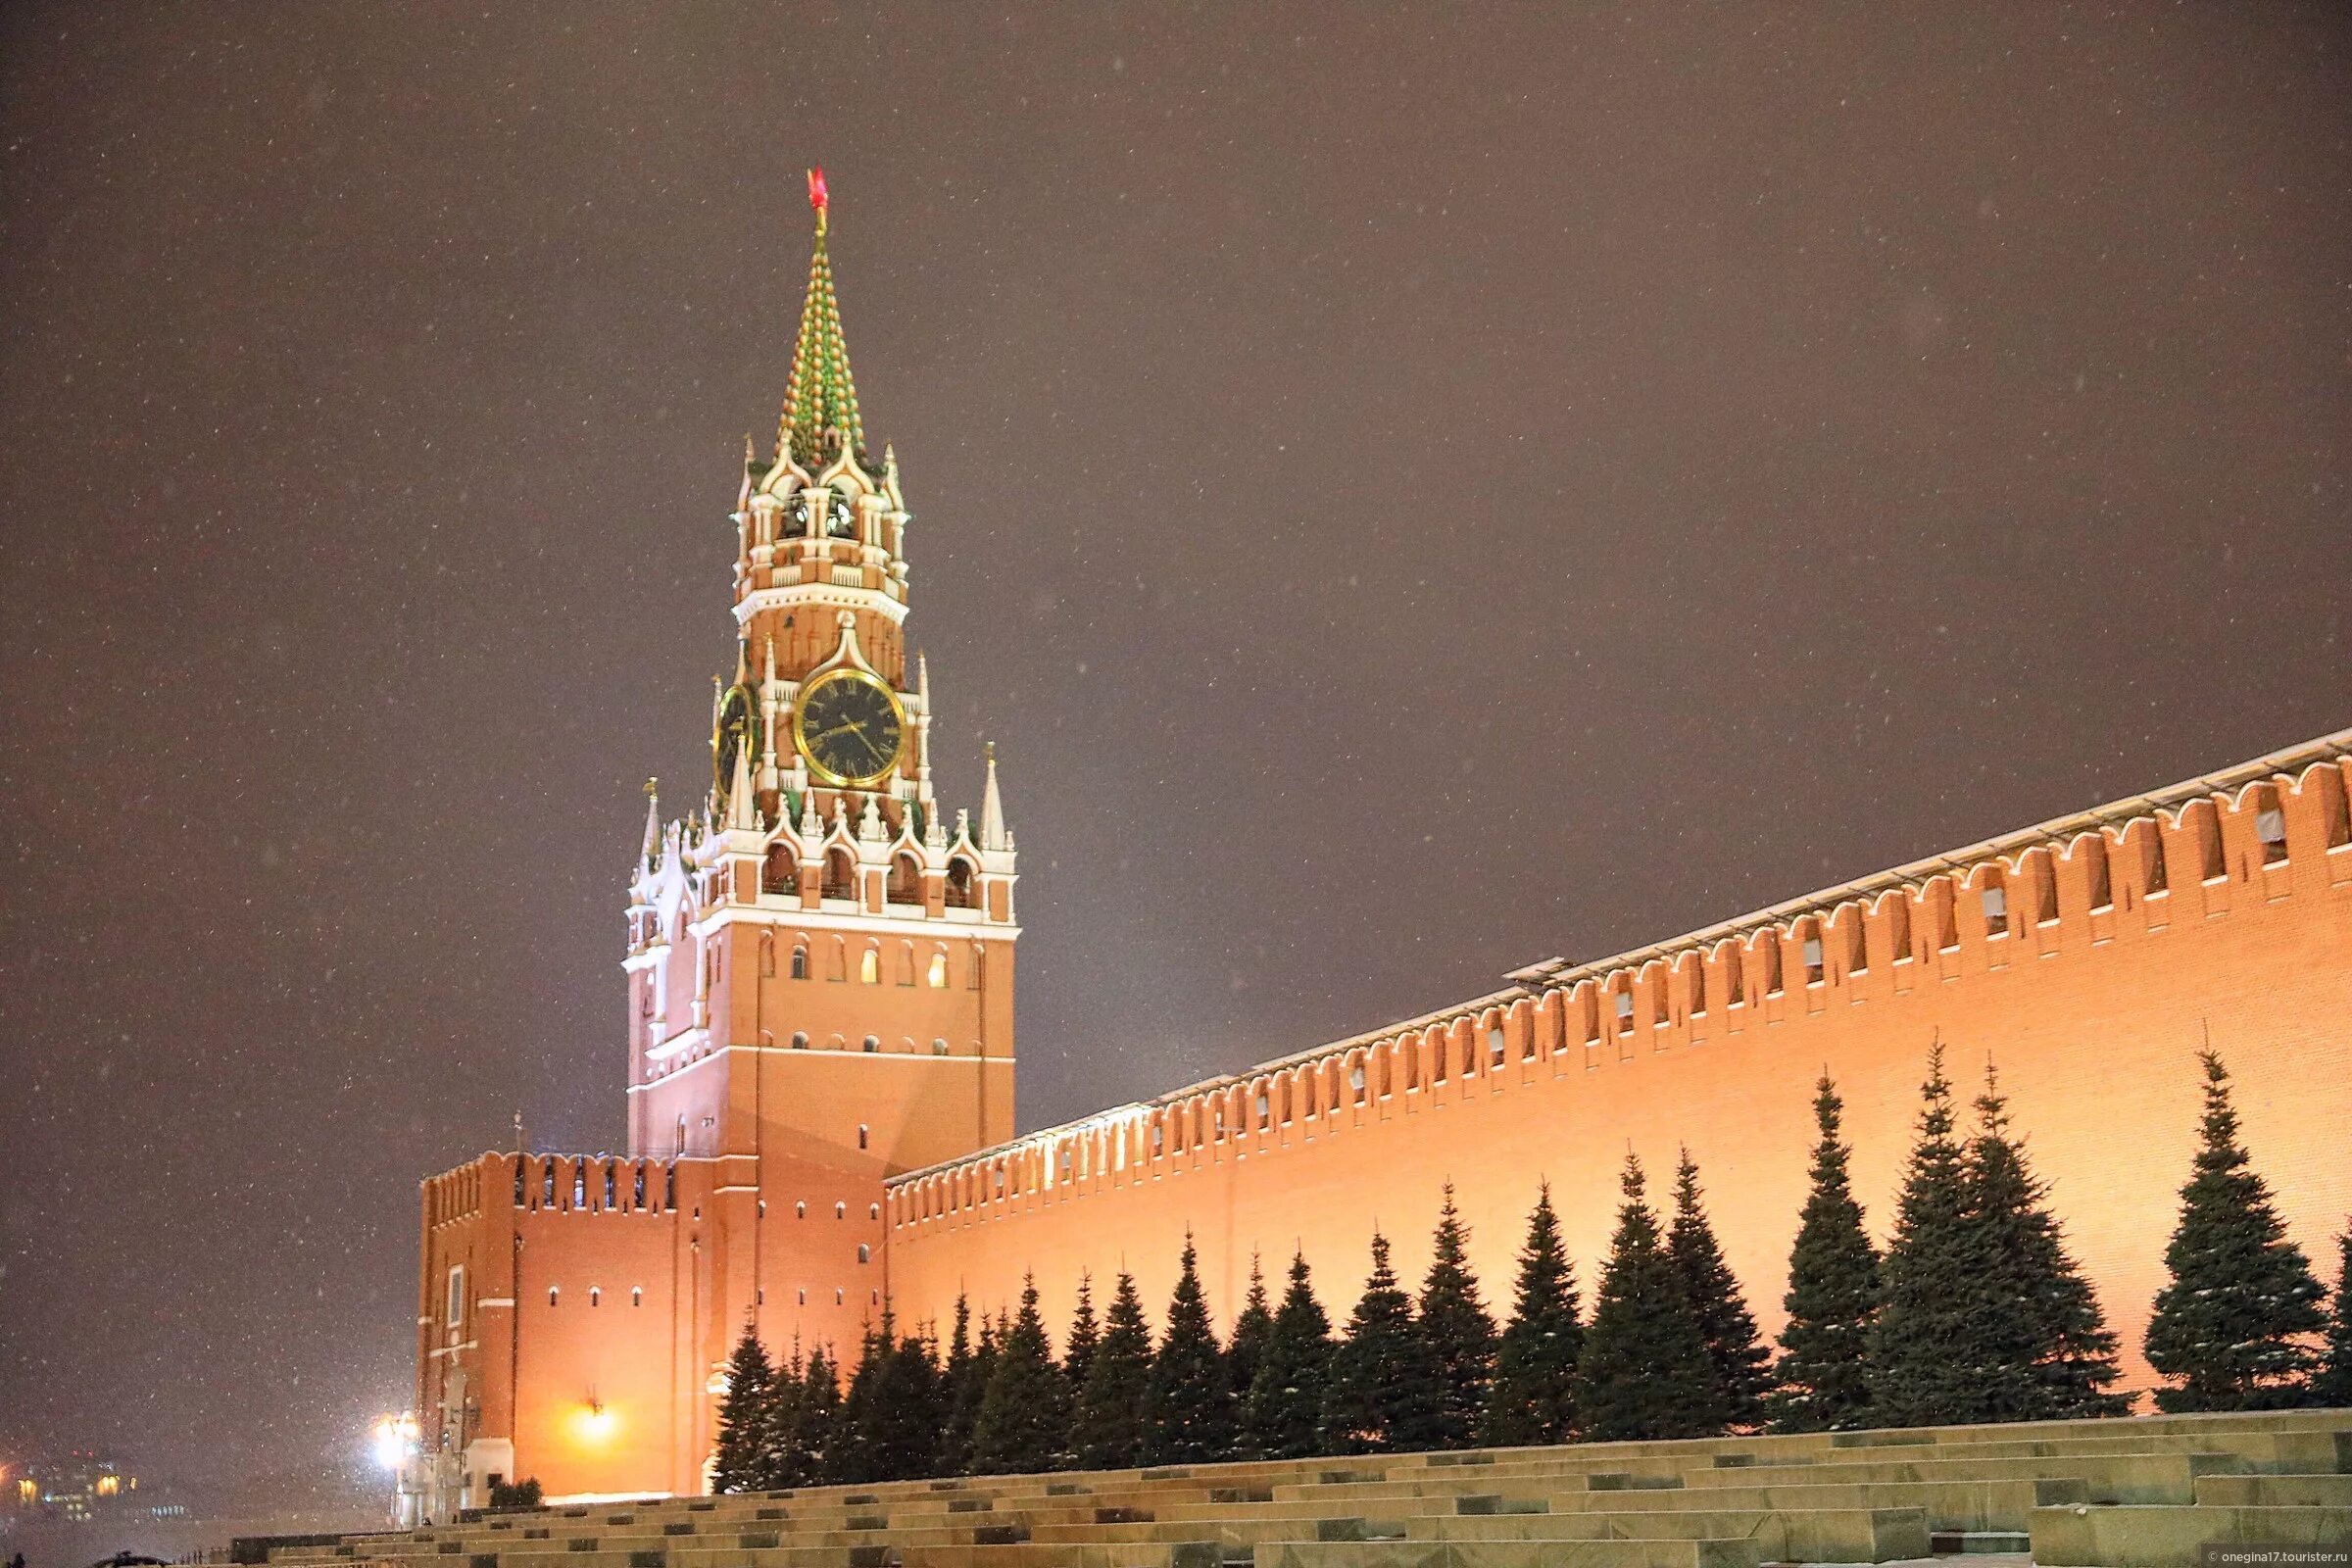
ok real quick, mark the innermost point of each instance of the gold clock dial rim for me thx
(799, 733)
(751, 730)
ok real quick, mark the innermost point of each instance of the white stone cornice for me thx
(774, 910)
(723, 1051)
(832, 595)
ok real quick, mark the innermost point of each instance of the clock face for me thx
(850, 728)
(738, 731)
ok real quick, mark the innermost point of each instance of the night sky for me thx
(1409, 494)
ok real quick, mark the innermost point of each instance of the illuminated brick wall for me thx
(2128, 935)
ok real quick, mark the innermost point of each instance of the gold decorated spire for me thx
(820, 401)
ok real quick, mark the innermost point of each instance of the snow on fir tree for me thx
(1383, 1379)
(1282, 1412)
(1460, 1333)
(2331, 1385)
(2232, 1329)
(1189, 1407)
(1929, 1349)
(1025, 1414)
(1533, 1398)
(738, 1457)
(1833, 1295)
(2053, 1356)
(1110, 1425)
(1246, 1349)
(1644, 1371)
(1742, 1363)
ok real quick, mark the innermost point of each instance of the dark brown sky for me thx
(1411, 494)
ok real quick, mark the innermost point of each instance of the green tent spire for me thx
(820, 401)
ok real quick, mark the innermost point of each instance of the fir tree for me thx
(1533, 1397)
(2331, 1386)
(909, 1411)
(1742, 1363)
(1833, 1295)
(2229, 1329)
(787, 1444)
(1189, 1407)
(1109, 1426)
(1078, 1351)
(820, 1415)
(964, 1383)
(1025, 1414)
(2054, 1355)
(1245, 1352)
(1928, 1348)
(1285, 1403)
(1383, 1383)
(963, 1409)
(741, 1457)
(851, 1459)
(1644, 1371)
(1460, 1335)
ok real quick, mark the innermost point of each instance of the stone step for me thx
(1980, 1543)
(1510, 1555)
(2111, 1478)
(2287, 1492)
(1813, 1535)
(2084, 1536)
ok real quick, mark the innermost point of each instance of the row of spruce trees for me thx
(1973, 1312)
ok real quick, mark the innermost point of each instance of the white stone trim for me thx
(833, 595)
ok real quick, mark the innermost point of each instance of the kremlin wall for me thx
(815, 1044)
(2088, 958)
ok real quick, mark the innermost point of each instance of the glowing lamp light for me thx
(395, 1439)
(597, 1421)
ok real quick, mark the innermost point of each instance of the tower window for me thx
(1995, 900)
(839, 1297)
(799, 1211)
(869, 966)
(596, 1296)
(550, 1296)
(873, 1042)
(873, 1212)
(800, 1040)
(939, 1048)
(938, 971)
(636, 1295)
(861, 1135)
(866, 1254)
(1815, 972)
(841, 1212)
(800, 963)
(454, 1307)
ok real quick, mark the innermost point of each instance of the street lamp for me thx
(396, 1446)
